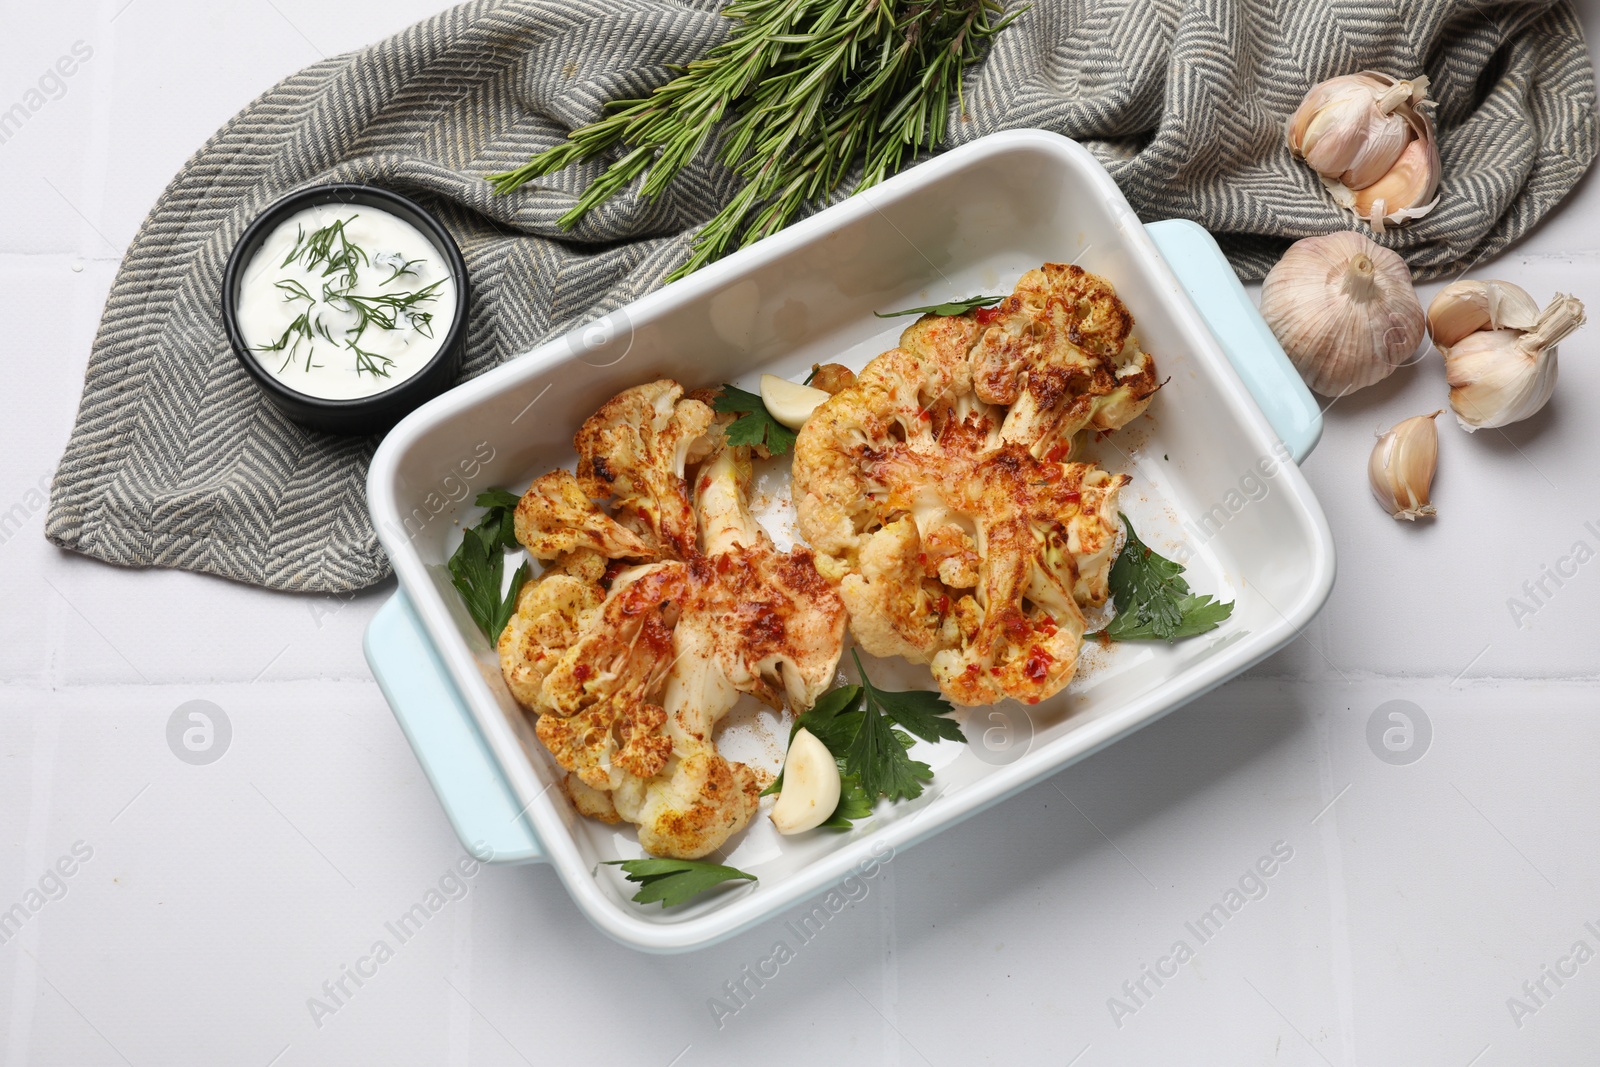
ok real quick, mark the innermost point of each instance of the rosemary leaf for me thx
(802, 94)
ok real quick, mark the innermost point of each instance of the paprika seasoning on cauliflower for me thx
(650, 620)
(939, 492)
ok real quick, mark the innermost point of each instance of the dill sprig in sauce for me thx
(342, 262)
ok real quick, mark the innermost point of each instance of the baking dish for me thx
(1215, 485)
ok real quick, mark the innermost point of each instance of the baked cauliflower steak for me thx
(939, 490)
(649, 621)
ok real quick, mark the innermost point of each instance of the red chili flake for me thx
(1046, 626)
(944, 605)
(1072, 497)
(1037, 668)
(705, 483)
(583, 672)
(1031, 700)
(925, 415)
(1059, 452)
(614, 568)
(972, 669)
(987, 316)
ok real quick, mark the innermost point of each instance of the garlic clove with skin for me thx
(1344, 310)
(1402, 466)
(1368, 138)
(1502, 376)
(1468, 306)
(1351, 135)
(1407, 191)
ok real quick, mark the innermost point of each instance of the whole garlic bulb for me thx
(1402, 465)
(1368, 138)
(1344, 310)
(1499, 349)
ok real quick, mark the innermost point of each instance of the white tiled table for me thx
(217, 900)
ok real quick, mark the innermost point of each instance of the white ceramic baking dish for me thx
(1213, 463)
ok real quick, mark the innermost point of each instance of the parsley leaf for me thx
(824, 721)
(952, 307)
(862, 726)
(853, 803)
(835, 717)
(755, 426)
(866, 730)
(675, 881)
(921, 711)
(478, 567)
(1153, 601)
(877, 756)
(502, 506)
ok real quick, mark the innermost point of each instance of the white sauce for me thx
(301, 329)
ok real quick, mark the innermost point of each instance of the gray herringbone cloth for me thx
(177, 461)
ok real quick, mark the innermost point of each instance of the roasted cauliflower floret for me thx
(634, 452)
(556, 516)
(938, 491)
(630, 681)
(550, 615)
(1059, 352)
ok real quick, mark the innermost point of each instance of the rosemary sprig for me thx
(810, 89)
(950, 307)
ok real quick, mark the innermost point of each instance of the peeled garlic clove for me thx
(811, 786)
(1402, 465)
(1344, 310)
(1368, 138)
(1498, 377)
(1468, 306)
(789, 402)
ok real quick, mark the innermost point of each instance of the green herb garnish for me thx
(371, 363)
(1153, 601)
(385, 311)
(756, 426)
(298, 331)
(293, 291)
(331, 247)
(866, 729)
(478, 567)
(802, 97)
(953, 307)
(400, 266)
(341, 260)
(674, 881)
(853, 800)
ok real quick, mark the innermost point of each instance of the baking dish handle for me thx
(439, 726)
(1204, 272)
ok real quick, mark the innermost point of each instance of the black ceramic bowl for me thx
(367, 414)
